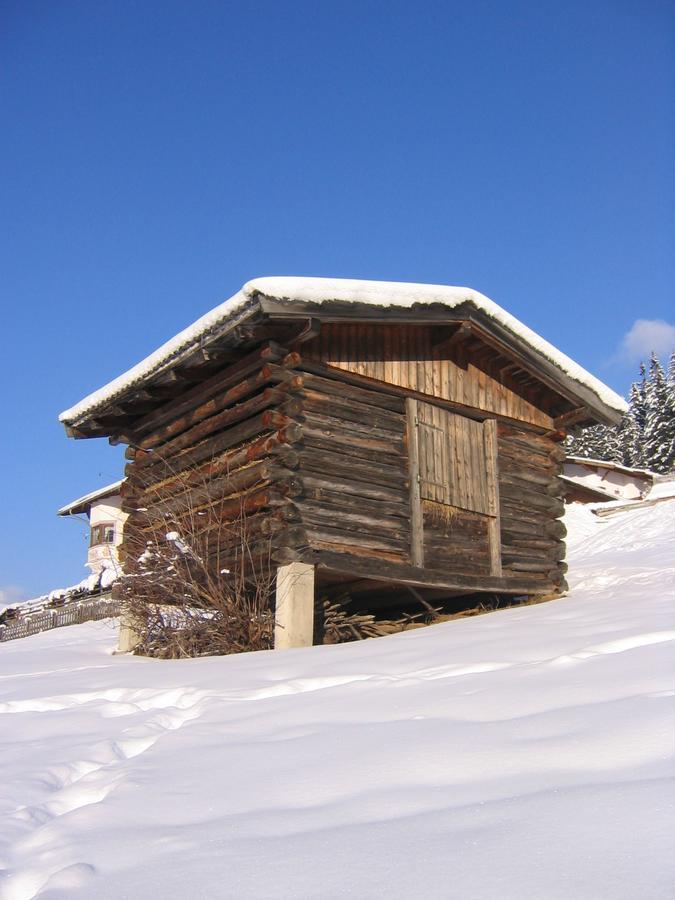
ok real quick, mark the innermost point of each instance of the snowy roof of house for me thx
(82, 504)
(607, 464)
(662, 491)
(588, 491)
(320, 293)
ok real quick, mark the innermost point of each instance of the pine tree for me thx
(659, 430)
(645, 437)
(596, 442)
(632, 426)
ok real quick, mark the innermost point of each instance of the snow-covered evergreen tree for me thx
(659, 432)
(645, 437)
(632, 427)
(596, 442)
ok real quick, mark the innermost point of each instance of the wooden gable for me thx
(433, 360)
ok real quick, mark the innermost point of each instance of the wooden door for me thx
(453, 462)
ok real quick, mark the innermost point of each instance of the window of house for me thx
(103, 533)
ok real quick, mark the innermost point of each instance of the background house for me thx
(595, 480)
(392, 442)
(103, 509)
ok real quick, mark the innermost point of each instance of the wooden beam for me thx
(310, 330)
(494, 527)
(571, 418)
(390, 573)
(416, 518)
(461, 334)
(224, 379)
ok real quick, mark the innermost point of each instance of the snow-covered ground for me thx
(523, 754)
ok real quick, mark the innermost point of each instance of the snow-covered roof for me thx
(83, 503)
(586, 489)
(607, 464)
(318, 291)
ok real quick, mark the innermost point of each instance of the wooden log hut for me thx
(387, 440)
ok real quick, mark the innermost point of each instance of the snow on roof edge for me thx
(156, 360)
(324, 290)
(90, 497)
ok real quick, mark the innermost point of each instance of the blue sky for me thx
(157, 155)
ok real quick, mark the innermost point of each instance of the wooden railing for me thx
(91, 609)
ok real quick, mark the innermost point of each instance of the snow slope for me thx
(527, 753)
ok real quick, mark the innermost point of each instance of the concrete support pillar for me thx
(128, 637)
(294, 611)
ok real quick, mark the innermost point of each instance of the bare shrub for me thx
(198, 580)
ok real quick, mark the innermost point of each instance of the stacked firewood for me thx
(341, 626)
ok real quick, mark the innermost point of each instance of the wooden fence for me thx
(90, 610)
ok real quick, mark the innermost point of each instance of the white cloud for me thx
(646, 336)
(11, 594)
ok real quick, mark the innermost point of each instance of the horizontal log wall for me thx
(354, 471)
(319, 469)
(215, 463)
(411, 356)
(530, 497)
(455, 539)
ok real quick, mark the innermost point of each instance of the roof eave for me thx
(73, 424)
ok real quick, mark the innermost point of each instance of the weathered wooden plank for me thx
(359, 489)
(338, 502)
(233, 414)
(528, 470)
(256, 426)
(512, 497)
(139, 523)
(493, 482)
(554, 487)
(377, 570)
(464, 409)
(332, 423)
(362, 446)
(195, 499)
(229, 461)
(326, 462)
(334, 386)
(516, 458)
(351, 410)
(420, 369)
(530, 441)
(453, 467)
(350, 537)
(322, 514)
(267, 375)
(270, 352)
(416, 521)
(548, 558)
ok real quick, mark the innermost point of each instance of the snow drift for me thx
(526, 753)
